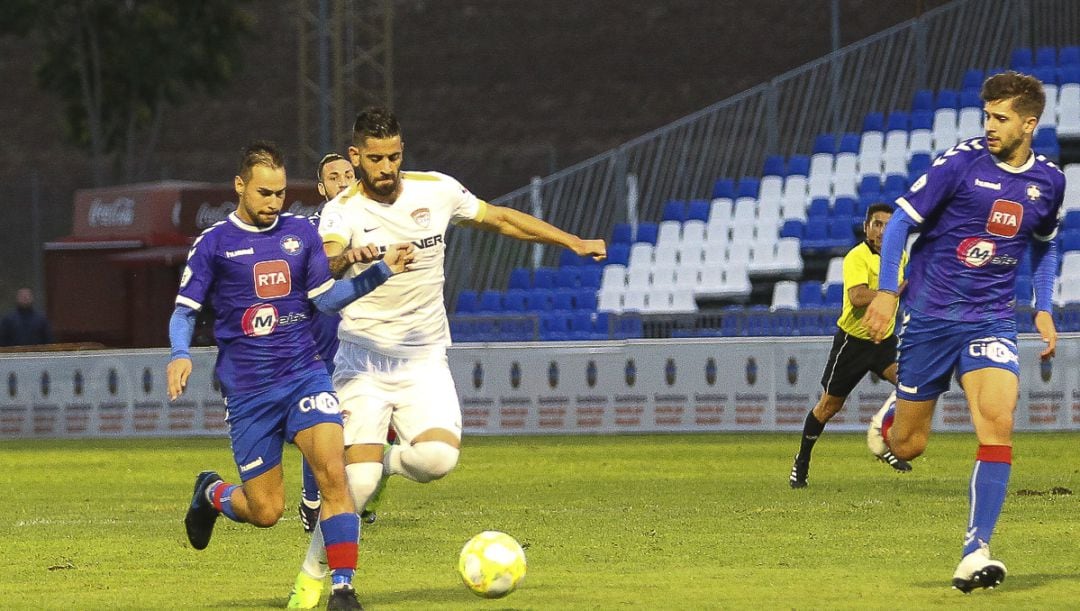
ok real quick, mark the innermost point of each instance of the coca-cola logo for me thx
(209, 214)
(118, 213)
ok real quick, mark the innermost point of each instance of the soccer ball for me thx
(492, 564)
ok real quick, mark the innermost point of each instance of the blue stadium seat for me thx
(969, 98)
(628, 326)
(895, 183)
(520, 278)
(698, 210)
(816, 235)
(674, 210)
(808, 322)
(466, 302)
(749, 187)
(843, 207)
(1024, 291)
(870, 185)
(919, 164)
(923, 100)
(834, 295)
(1070, 238)
(947, 98)
(793, 228)
(898, 120)
(1069, 74)
(591, 277)
(723, 187)
(841, 234)
(1069, 56)
(774, 166)
(1071, 220)
(618, 253)
(810, 294)
(1048, 76)
(849, 143)
(1046, 143)
(515, 300)
(798, 165)
(973, 79)
(585, 299)
(825, 143)
(568, 277)
(1021, 60)
(622, 233)
(922, 119)
(544, 278)
(540, 300)
(601, 325)
(555, 326)
(646, 232)
(581, 326)
(818, 209)
(490, 302)
(568, 258)
(564, 299)
(874, 122)
(1046, 57)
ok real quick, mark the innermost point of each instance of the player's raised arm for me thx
(516, 224)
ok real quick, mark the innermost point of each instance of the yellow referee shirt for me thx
(861, 266)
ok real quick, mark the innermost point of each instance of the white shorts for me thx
(414, 394)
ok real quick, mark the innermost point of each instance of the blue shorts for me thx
(933, 349)
(261, 422)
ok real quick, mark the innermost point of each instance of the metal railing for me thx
(732, 138)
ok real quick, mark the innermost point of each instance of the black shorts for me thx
(850, 359)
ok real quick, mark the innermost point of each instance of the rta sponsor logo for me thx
(209, 214)
(118, 213)
(324, 402)
(272, 279)
(975, 252)
(998, 351)
(259, 320)
(1005, 218)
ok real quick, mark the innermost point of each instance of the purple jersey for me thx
(976, 216)
(259, 282)
(324, 325)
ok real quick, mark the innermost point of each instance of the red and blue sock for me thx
(221, 497)
(341, 533)
(887, 422)
(989, 481)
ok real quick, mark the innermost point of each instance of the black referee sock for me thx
(811, 430)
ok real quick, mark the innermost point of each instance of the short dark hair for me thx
(327, 158)
(260, 152)
(878, 207)
(375, 122)
(1026, 92)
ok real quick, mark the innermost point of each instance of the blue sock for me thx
(341, 533)
(989, 482)
(311, 489)
(221, 498)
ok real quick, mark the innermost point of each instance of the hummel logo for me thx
(908, 389)
(366, 230)
(236, 253)
(988, 185)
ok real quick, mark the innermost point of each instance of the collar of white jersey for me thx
(235, 220)
(1017, 170)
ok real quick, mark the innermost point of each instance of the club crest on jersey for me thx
(975, 252)
(272, 279)
(1005, 218)
(291, 245)
(1033, 192)
(422, 216)
(259, 320)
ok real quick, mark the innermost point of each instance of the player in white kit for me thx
(391, 365)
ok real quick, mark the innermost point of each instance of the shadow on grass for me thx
(1012, 583)
(390, 599)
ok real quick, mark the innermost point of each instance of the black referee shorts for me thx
(850, 359)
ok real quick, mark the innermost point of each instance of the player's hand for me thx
(177, 373)
(596, 249)
(879, 315)
(398, 257)
(362, 254)
(1044, 323)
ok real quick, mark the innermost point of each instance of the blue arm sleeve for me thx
(1044, 262)
(893, 242)
(181, 326)
(344, 292)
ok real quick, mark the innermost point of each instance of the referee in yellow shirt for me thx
(853, 354)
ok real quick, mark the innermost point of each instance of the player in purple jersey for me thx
(978, 208)
(262, 270)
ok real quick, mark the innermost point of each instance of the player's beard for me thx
(382, 186)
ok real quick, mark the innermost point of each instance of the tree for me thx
(118, 65)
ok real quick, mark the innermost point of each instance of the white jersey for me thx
(405, 316)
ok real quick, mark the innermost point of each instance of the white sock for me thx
(315, 561)
(363, 478)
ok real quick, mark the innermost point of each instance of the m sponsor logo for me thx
(259, 320)
(1005, 218)
(422, 216)
(975, 252)
(291, 245)
(907, 389)
(272, 279)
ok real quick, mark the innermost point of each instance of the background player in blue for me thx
(260, 268)
(977, 209)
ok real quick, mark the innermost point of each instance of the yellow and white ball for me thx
(492, 564)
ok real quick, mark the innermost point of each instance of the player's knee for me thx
(907, 447)
(432, 460)
(265, 514)
(363, 478)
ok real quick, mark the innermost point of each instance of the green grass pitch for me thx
(611, 522)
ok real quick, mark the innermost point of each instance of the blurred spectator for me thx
(25, 326)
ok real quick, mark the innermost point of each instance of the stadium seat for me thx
(609, 301)
(682, 301)
(834, 295)
(567, 277)
(843, 207)
(1021, 60)
(874, 122)
(785, 296)
(662, 275)
(544, 278)
(810, 294)
(614, 277)
(490, 302)
(816, 235)
(622, 233)
(693, 233)
(540, 300)
(646, 232)
(1069, 56)
(1046, 57)
(841, 234)
(687, 276)
(520, 278)
(690, 254)
(870, 186)
(945, 131)
(774, 166)
(825, 143)
(590, 277)
(792, 229)
(720, 210)
(1068, 108)
(748, 187)
(818, 209)
(723, 187)
(515, 300)
(835, 271)
(1071, 220)
(973, 79)
(555, 326)
(871, 149)
(788, 261)
(618, 254)
(568, 258)
(674, 210)
(467, 302)
(639, 276)
(628, 327)
(1046, 143)
(641, 255)
(564, 300)
(923, 100)
(698, 210)
(947, 98)
(798, 165)
(668, 233)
